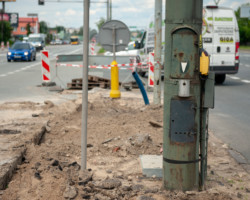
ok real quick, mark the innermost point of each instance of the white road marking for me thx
(245, 81)
(234, 77)
(237, 78)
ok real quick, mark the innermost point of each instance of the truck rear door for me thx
(207, 32)
(224, 37)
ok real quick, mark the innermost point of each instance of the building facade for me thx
(21, 31)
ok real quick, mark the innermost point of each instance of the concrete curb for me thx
(8, 168)
(240, 159)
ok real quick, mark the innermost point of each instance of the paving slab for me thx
(151, 165)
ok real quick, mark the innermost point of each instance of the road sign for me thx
(119, 30)
(245, 12)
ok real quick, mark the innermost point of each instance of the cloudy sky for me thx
(70, 14)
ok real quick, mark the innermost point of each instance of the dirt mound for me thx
(118, 132)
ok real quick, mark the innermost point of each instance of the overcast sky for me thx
(131, 12)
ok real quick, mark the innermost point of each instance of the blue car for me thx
(21, 51)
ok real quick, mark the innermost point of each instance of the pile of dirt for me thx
(118, 132)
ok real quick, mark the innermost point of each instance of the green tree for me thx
(28, 29)
(100, 23)
(43, 27)
(59, 29)
(7, 31)
(80, 31)
(244, 28)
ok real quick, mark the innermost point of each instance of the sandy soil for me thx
(118, 132)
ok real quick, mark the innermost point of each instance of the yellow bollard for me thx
(115, 92)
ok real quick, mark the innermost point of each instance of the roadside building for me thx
(21, 31)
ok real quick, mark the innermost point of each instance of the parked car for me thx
(53, 42)
(21, 51)
(66, 42)
(58, 41)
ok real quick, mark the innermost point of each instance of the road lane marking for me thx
(19, 70)
(245, 81)
(30, 66)
(237, 78)
(234, 77)
(58, 53)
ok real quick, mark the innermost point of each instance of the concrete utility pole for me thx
(85, 85)
(157, 55)
(108, 12)
(182, 95)
(110, 9)
(3, 10)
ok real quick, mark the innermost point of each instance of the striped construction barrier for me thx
(120, 66)
(92, 47)
(151, 70)
(45, 66)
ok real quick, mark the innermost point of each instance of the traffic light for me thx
(40, 2)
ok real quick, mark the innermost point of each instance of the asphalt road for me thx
(19, 80)
(229, 120)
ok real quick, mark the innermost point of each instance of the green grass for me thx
(245, 47)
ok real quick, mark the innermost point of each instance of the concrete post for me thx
(157, 55)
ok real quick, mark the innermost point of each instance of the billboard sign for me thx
(11, 17)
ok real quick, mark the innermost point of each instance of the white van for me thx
(146, 44)
(220, 34)
(221, 39)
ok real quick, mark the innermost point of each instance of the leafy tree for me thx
(28, 29)
(92, 33)
(49, 37)
(81, 31)
(7, 31)
(59, 29)
(100, 23)
(43, 27)
(244, 27)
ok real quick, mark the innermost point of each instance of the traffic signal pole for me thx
(182, 95)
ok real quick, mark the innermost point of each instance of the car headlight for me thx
(39, 45)
(26, 53)
(9, 53)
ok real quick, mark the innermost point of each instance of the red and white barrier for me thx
(92, 47)
(120, 66)
(151, 70)
(46, 66)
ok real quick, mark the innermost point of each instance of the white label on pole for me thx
(183, 66)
